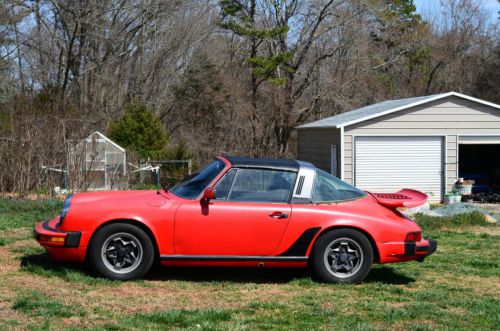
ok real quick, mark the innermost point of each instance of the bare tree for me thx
(224, 76)
(288, 41)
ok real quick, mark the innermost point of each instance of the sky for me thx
(426, 7)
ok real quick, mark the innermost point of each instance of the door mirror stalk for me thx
(208, 194)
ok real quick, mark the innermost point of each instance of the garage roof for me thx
(383, 108)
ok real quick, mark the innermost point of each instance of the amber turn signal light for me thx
(52, 239)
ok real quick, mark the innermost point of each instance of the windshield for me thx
(192, 186)
(328, 188)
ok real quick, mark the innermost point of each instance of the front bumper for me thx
(60, 245)
(47, 235)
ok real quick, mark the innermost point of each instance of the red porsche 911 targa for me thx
(240, 212)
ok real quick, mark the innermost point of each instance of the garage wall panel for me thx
(314, 145)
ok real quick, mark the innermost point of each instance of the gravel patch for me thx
(492, 214)
(461, 208)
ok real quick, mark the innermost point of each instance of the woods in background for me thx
(222, 76)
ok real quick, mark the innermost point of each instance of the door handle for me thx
(278, 215)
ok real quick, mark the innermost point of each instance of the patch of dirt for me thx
(196, 296)
(24, 244)
(7, 261)
(16, 233)
(457, 310)
(396, 304)
(9, 314)
(479, 285)
(491, 230)
(411, 324)
(494, 207)
(8, 293)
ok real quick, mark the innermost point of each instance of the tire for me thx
(121, 251)
(342, 256)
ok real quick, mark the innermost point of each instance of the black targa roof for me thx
(248, 162)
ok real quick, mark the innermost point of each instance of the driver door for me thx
(248, 217)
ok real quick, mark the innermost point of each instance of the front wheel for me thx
(342, 256)
(121, 251)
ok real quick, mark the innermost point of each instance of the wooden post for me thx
(141, 173)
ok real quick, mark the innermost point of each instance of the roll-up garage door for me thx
(388, 164)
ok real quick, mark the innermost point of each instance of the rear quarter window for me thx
(328, 188)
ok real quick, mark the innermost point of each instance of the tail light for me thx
(414, 236)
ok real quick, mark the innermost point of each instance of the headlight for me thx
(65, 209)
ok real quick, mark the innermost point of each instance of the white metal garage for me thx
(425, 143)
(388, 164)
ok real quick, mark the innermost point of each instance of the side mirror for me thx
(208, 194)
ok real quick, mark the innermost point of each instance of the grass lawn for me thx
(456, 288)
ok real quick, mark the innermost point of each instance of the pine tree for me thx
(140, 131)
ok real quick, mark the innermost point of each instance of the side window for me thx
(259, 185)
(223, 186)
(328, 188)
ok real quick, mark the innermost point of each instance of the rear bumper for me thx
(411, 249)
(60, 245)
(406, 251)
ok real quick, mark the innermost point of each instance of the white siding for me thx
(479, 140)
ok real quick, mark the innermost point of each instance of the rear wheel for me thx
(342, 256)
(121, 251)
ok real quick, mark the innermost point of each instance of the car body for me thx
(240, 212)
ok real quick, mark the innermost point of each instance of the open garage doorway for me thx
(481, 163)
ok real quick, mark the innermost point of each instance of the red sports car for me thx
(241, 212)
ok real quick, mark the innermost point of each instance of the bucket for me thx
(463, 189)
(452, 198)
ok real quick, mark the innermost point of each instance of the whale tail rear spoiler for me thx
(405, 198)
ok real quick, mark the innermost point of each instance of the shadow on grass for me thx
(228, 274)
(29, 262)
(41, 265)
(387, 275)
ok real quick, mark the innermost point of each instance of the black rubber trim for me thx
(278, 164)
(46, 226)
(410, 248)
(300, 185)
(432, 247)
(300, 201)
(422, 248)
(72, 237)
(232, 258)
(300, 246)
(430, 250)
